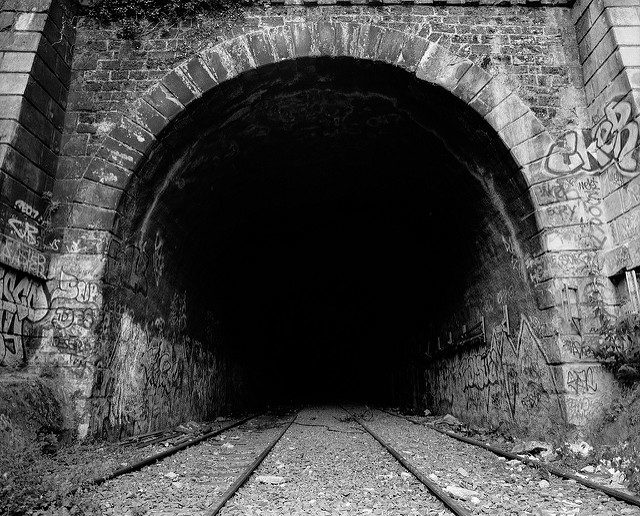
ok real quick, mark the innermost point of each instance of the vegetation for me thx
(132, 15)
(619, 348)
(159, 10)
(616, 439)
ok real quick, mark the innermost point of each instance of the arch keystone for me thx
(326, 37)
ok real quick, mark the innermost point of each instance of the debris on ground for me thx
(270, 479)
(580, 448)
(460, 492)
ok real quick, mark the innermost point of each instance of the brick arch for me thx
(131, 137)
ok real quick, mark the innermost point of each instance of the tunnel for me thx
(311, 232)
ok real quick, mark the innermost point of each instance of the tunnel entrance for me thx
(304, 233)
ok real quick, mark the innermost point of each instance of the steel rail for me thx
(437, 491)
(613, 493)
(248, 471)
(163, 454)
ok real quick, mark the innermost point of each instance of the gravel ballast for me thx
(501, 486)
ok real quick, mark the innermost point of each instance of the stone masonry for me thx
(86, 118)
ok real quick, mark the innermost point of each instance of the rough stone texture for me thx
(545, 244)
(502, 487)
(36, 46)
(29, 409)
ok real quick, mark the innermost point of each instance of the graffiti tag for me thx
(609, 142)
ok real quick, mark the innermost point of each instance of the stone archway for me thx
(129, 140)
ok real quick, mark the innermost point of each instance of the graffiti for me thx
(612, 141)
(580, 410)
(64, 318)
(152, 376)
(20, 256)
(73, 346)
(158, 258)
(582, 381)
(562, 214)
(577, 347)
(510, 376)
(24, 230)
(128, 266)
(28, 210)
(22, 300)
(511, 248)
(70, 287)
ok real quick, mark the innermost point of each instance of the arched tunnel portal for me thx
(319, 230)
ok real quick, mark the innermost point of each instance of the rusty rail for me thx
(437, 491)
(165, 453)
(613, 493)
(248, 471)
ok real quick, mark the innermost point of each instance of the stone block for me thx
(240, 58)
(260, 47)
(282, 42)
(18, 166)
(391, 46)
(30, 22)
(533, 149)
(369, 41)
(326, 38)
(506, 112)
(104, 172)
(471, 83)
(148, 117)
(302, 41)
(163, 101)
(119, 154)
(98, 194)
(16, 62)
(196, 71)
(219, 62)
(491, 95)
(521, 129)
(91, 217)
(431, 62)
(13, 83)
(179, 86)
(19, 41)
(132, 135)
(412, 52)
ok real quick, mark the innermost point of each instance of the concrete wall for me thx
(64, 183)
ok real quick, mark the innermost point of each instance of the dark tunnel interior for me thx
(326, 216)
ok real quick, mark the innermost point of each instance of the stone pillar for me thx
(36, 46)
(608, 36)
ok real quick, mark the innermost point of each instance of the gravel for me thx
(503, 487)
(327, 465)
(189, 481)
(330, 466)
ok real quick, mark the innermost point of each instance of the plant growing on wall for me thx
(131, 15)
(619, 346)
(155, 10)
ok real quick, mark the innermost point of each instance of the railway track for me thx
(614, 493)
(331, 459)
(452, 505)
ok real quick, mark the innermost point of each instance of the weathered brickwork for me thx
(36, 45)
(93, 134)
